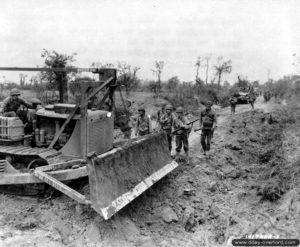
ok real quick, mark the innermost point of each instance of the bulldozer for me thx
(69, 142)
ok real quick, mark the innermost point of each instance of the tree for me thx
(58, 80)
(22, 79)
(242, 82)
(255, 83)
(207, 58)
(127, 77)
(198, 65)
(158, 69)
(173, 83)
(221, 68)
(152, 86)
(226, 85)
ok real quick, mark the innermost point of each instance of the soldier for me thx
(251, 100)
(208, 122)
(233, 101)
(11, 104)
(143, 126)
(180, 123)
(167, 121)
(160, 113)
(123, 121)
(30, 115)
(128, 129)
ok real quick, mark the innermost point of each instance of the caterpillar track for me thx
(24, 159)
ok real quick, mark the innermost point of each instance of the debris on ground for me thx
(248, 184)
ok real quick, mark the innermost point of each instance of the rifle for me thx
(186, 124)
(195, 130)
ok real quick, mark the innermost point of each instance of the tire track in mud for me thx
(224, 118)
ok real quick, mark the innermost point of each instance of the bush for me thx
(2, 96)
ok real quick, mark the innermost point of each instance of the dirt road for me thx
(206, 203)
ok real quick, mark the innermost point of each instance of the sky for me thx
(260, 37)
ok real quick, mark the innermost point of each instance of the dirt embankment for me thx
(248, 184)
(240, 189)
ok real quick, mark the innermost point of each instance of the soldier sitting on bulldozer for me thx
(143, 126)
(11, 104)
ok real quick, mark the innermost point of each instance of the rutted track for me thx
(205, 203)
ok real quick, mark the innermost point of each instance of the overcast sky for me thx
(256, 35)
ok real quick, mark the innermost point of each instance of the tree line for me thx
(173, 89)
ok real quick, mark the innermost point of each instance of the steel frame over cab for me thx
(117, 175)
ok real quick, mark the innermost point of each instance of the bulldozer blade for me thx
(119, 176)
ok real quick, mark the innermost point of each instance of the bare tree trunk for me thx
(197, 73)
(219, 80)
(62, 87)
(158, 84)
(206, 78)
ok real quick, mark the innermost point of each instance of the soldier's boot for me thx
(187, 156)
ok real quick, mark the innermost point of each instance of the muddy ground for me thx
(248, 185)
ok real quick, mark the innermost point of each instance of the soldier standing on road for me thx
(143, 126)
(251, 100)
(160, 113)
(233, 101)
(167, 121)
(11, 104)
(208, 122)
(180, 124)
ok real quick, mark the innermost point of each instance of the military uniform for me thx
(166, 122)
(143, 126)
(233, 102)
(207, 118)
(182, 134)
(251, 100)
(11, 106)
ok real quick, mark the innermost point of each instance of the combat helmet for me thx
(169, 107)
(15, 92)
(209, 103)
(179, 109)
(141, 108)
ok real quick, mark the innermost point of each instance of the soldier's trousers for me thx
(206, 136)
(232, 106)
(182, 140)
(169, 137)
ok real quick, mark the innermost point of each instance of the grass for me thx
(25, 94)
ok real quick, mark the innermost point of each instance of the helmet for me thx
(169, 107)
(179, 109)
(141, 108)
(14, 92)
(209, 103)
